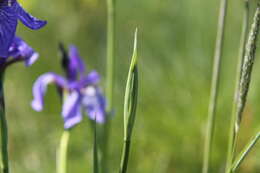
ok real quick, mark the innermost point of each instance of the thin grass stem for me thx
(240, 62)
(110, 79)
(214, 86)
(245, 152)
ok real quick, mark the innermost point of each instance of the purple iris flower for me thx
(10, 12)
(80, 91)
(18, 51)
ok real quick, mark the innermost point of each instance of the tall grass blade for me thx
(243, 87)
(214, 86)
(111, 17)
(130, 105)
(245, 152)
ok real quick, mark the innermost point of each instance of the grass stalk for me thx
(244, 32)
(214, 86)
(110, 79)
(241, 95)
(62, 154)
(4, 129)
(245, 152)
(130, 105)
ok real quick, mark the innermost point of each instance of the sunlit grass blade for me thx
(245, 152)
(243, 88)
(214, 86)
(130, 105)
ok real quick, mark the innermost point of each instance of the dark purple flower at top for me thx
(80, 91)
(10, 12)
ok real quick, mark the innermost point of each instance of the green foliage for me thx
(176, 41)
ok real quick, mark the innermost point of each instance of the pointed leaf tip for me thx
(134, 56)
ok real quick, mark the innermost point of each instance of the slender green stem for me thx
(242, 89)
(110, 78)
(95, 149)
(214, 86)
(245, 152)
(125, 156)
(110, 52)
(62, 157)
(4, 129)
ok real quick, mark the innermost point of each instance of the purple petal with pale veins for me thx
(94, 103)
(76, 64)
(91, 79)
(27, 19)
(8, 23)
(40, 87)
(20, 49)
(71, 110)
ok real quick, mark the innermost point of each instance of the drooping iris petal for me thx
(8, 23)
(40, 87)
(71, 110)
(76, 65)
(94, 103)
(27, 19)
(20, 49)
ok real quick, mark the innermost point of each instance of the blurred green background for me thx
(176, 44)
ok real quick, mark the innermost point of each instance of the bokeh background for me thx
(176, 44)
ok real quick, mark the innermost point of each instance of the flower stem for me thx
(214, 86)
(95, 149)
(4, 129)
(110, 78)
(62, 155)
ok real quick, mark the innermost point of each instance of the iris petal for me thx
(8, 23)
(27, 19)
(20, 49)
(40, 87)
(71, 110)
(94, 103)
(76, 64)
(91, 79)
